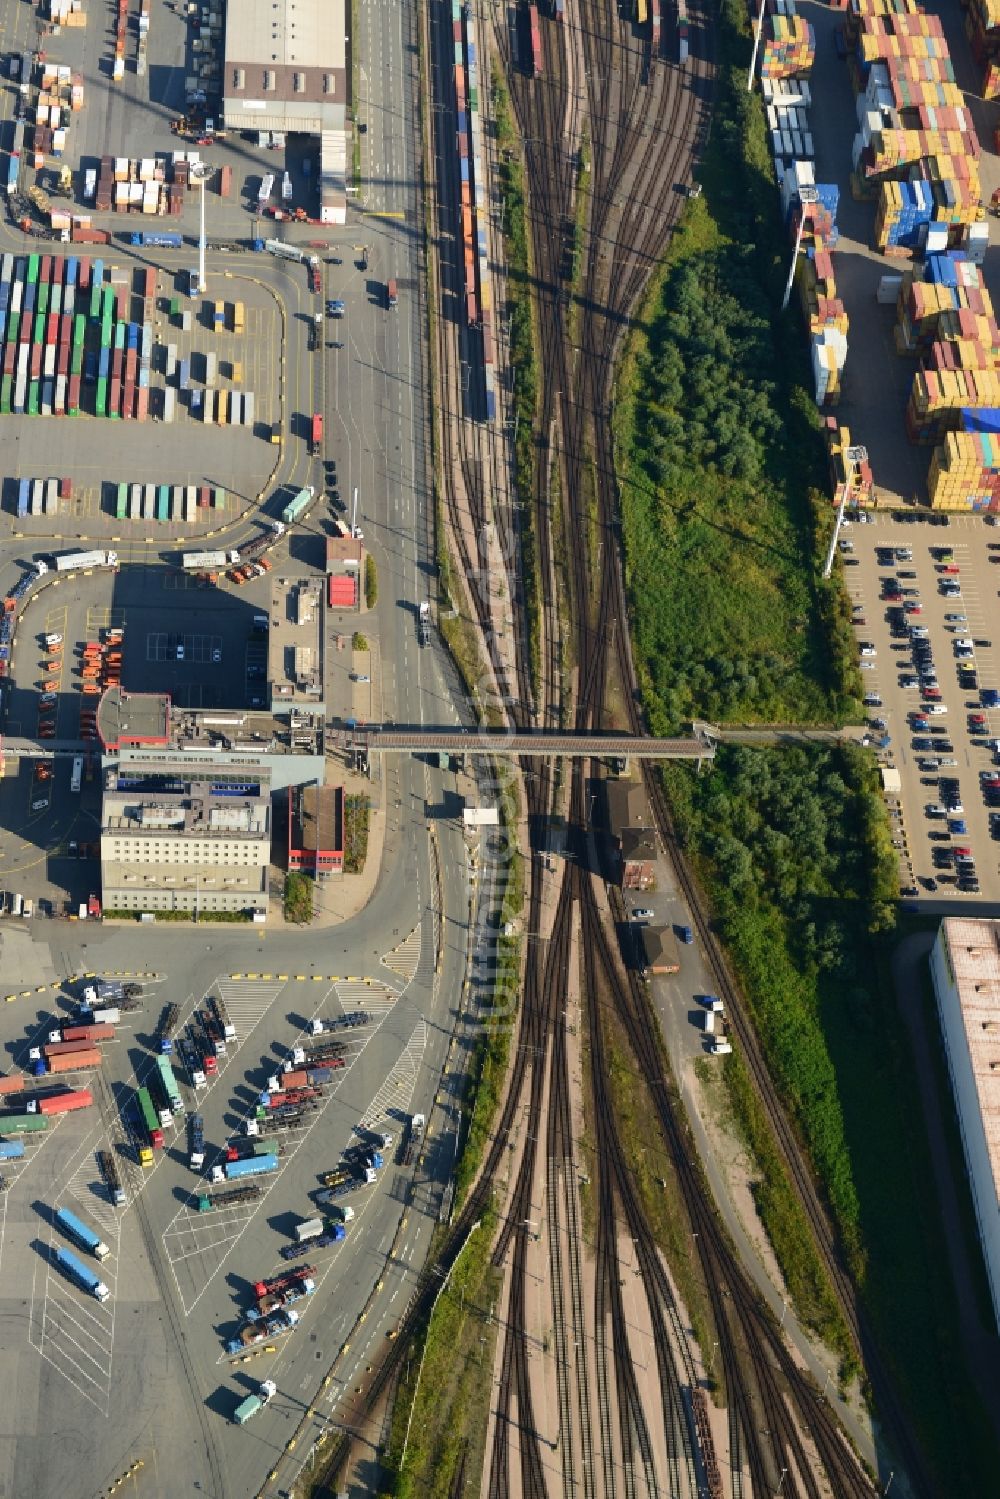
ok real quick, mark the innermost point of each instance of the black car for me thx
(924, 744)
(929, 883)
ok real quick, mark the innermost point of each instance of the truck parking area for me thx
(924, 598)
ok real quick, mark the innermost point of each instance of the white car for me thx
(868, 666)
(936, 709)
(919, 632)
(872, 700)
(642, 913)
(867, 649)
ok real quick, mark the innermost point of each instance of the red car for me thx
(914, 608)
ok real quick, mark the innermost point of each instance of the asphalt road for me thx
(144, 1376)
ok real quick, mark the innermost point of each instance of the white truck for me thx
(72, 562)
(202, 561)
(289, 252)
(255, 1402)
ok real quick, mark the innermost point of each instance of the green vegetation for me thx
(444, 1395)
(357, 811)
(298, 898)
(231, 916)
(793, 849)
(722, 461)
(523, 342)
(371, 581)
(359, 642)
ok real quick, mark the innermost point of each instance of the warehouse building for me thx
(286, 71)
(316, 829)
(965, 968)
(173, 842)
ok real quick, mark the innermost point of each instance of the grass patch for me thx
(371, 581)
(357, 812)
(444, 1395)
(359, 642)
(721, 458)
(298, 898)
(523, 342)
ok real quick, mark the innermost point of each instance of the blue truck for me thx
(11, 1150)
(333, 1234)
(255, 1165)
(74, 1229)
(157, 240)
(78, 1272)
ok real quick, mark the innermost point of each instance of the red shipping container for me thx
(83, 273)
(115, 395)
(9, 358)
(52, 328)
(62, 360)
(131, 363)
(12, 1084)
(71, 1061)
(225, 182)
(66, 1048)
(204, 495)
(44, 269)
(73, 401)
(65, 493)
(128, 399)
(36, 361)
(117, 363)
(65, 1103)
(65, 328)
(150, 291)
(142, 403)
(88, 1032)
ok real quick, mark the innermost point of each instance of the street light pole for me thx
(756, 46)
(200, 173)
(854, 457)
(807, 196)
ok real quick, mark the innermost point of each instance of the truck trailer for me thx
(267, 1389)
(209, 1202)
(78, 1272)
(71, 562)
(207, 561)
(108, 1167)
(61, 1103)
(255, 1165)
(258, 1332)
(75, 1229)
(297, 507)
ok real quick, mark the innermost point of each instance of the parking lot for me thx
(924, 598)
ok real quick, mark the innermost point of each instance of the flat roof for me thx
(133, 718)
(343, 550)
(317, 820)
(974, 953)
(295, 642)
(163, 802)
(284, 37)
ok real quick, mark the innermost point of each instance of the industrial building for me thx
(285, 72)
(295, 660)
(316, 829)
(345, 564)
(173, 841)
(965, 968)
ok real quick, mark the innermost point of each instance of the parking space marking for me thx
(76, 1333)
(194, 1271)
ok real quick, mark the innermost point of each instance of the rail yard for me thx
(342, 900)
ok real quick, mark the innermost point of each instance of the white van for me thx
(53, 640)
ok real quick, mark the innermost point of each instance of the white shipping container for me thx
(169, 403)
(149, 502)
(248, 408)
(37, 496)
(171, 361)
(51, 497)
(208, 407)
(177, 503)
(61, 387)
(49, 362)
(235, 405)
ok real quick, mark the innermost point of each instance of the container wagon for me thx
(537, 69)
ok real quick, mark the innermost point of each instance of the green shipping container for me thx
(119, 335)
(33, 261)
(163, 502)
(175, 306)
(95, 301)
(33, 398)
(38, 330)
(76, 360)
(22, 1124)
(79, 329)
(43, 298)
(101, 398)
(6, 384)
(13, 327)
(218, 498)
(121, 512)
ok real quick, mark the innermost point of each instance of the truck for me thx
(271, 1124)
(67, 1062)
(414, 1135)
(255, 1165)
(258, 1332)
(166, 1028)
(326, 1027)
(196, 1142)
(288, 1297)
(190, 1058)
(424, 623)
(102, 1015)
(11, 1150)
(12, 1083)
(341, 1214)
(275, 1283)
(289, 252)
(74, 1228)
(209, 1202)
(316, 435)
(108, 1167)
(267, 1389)
(296, 507)
(157, 240)
(391, 293)
(78, 1272)
(71, 562)
(208, 561)
(311, 1077)
(314, 1049)
(308, 1228)
(221, 1014)
(59, 1048)
(60, 1103)
(278, 1100)
(213, 1030)
(70, 1032)
(336, 1177)
(110, 991)
(331, 1235)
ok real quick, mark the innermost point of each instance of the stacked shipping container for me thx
(472, 206)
